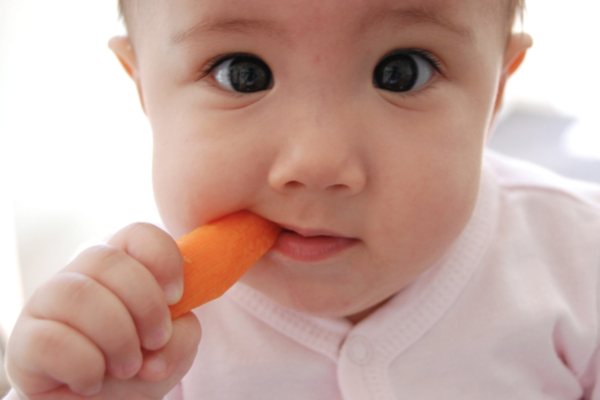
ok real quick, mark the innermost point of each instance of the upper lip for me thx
(307, 232)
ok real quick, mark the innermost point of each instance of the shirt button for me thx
(359, 350)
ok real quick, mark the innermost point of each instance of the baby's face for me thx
(357, 125)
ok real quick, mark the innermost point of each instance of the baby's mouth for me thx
(311, 245)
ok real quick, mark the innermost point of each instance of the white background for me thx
(74, 145)
(75, 148)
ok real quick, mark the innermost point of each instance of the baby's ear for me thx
(514, 54)
(515, 51)
(121, 46)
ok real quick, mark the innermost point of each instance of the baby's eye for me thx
(401, 72)
(243, 73)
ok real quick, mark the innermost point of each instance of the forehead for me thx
(181, 19)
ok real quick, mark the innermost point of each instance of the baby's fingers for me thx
(46, 355)
(87, 306)
(158, 252)
(169, 364)
(134, 285)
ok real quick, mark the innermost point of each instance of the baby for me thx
(412, 265)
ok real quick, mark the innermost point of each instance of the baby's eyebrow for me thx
(239, 25)
(414, 16)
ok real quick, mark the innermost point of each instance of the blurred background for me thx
(75, 148)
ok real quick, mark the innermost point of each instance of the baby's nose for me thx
(318, 161)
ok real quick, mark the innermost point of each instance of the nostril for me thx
(339, 187)
(293, 185)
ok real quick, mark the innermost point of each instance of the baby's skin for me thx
(358, 126)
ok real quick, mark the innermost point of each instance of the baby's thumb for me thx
(173, 361)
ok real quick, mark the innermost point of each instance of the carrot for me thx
(216, 256)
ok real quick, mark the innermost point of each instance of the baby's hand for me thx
(102, 328)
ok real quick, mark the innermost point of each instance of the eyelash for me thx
(215, 61)
(434, 61)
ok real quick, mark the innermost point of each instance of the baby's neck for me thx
(356, 318)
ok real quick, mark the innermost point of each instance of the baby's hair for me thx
(515, 10)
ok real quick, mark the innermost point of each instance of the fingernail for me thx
(173, 293)
(93, 390)
(131, 367)
(156, 364)
(157, 339)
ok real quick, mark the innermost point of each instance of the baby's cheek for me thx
(192, 190)
(424, 215)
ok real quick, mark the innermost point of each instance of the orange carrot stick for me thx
(216, 256)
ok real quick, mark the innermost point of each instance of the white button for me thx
(359, 350)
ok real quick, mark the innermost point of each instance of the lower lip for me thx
(311, 248)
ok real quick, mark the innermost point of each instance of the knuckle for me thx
(168, 264)
(144, 227)
(104, 255)
(161, 248)
(194, 329)
(98, 259)
(136, 231)
(96, 251)
(58, 297)
(50, 342)
(189, 330)
(123, 343)
(154, 309)
(62, 350)
(78, 289)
